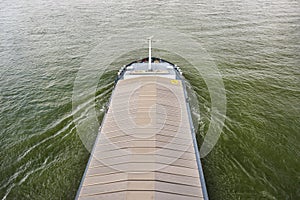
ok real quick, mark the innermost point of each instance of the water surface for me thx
(255, 45)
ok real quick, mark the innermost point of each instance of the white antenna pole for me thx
(150, 56)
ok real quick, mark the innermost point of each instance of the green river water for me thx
(254, 44)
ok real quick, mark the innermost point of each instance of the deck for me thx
(145, 147)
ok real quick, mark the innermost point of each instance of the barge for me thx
(146, 147)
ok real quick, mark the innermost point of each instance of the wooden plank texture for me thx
(145, 148)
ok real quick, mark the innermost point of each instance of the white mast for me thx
(149, 61)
